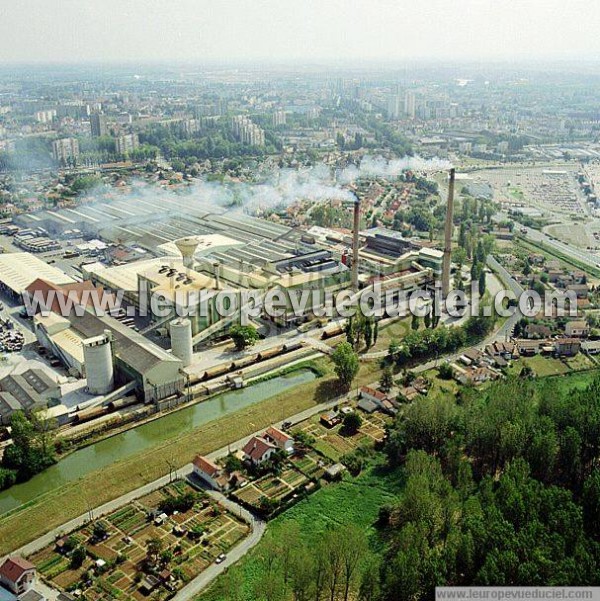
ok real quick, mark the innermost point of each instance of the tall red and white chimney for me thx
(448, 237)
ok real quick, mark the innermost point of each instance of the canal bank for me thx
(49, 511)
(103, 453)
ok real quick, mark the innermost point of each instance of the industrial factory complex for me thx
(171, 247)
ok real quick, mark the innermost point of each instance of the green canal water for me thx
(107, 451)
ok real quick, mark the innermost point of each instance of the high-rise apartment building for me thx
(65, 149)
(98, 125)
(126, 143)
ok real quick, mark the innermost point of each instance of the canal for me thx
(109, 450)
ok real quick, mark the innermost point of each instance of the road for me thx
(583, 256)
(198, 584)
(206, 577)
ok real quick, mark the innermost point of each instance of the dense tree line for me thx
(31, 450)
(214, 141)
(501, 489)
(333, 566)
(434, 341)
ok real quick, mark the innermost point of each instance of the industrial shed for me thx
(27, 391)
(157, 373)
(18, 270)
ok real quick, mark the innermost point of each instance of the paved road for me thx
(206, 577)
(198, 584)
(583, 256)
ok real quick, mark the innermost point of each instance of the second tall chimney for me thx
(448, 237)
(355, 229)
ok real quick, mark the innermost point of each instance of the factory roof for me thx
(70, 342)
(207, 243)
(18, 270)
(130, 347)
(433, 253)
(32, 387)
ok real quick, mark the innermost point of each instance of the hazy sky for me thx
(280, 30)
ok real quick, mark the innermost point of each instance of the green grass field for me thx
(352, 501)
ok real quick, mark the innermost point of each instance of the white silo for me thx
(98, 361)
(181, 340)
(187, 247)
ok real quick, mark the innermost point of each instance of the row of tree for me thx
(335, 565)
(501, 489)
(433, 342)
(31, 450)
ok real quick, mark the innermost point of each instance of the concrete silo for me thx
(98, 361)
(181, 340)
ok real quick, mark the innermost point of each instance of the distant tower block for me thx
(98, 361)
(187, 247)
(181, 340)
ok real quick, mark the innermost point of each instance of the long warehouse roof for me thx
(18, 270)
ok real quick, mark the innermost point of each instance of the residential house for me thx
(534, 330)
(554, 275)
(367, 405)
(284, 442)
(330, 419)
(577, 329)
(409, 393)
(210, 472)
(581, 290)
(258, 450)
(505, 349)
(528, 348)
(375, 396)
(591, 347)
(32, 595)
(567, 347)
(17, 575)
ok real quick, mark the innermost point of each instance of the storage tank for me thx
(187, 247)
(98, 361)
(181, 340)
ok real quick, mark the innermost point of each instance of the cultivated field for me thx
(113, 568)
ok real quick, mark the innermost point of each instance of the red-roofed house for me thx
(17, 575)
(206, 470)
(375, 396)
(280, 439)
(258, 450)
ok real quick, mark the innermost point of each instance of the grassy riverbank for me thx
(50, 511)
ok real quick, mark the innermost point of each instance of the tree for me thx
(99, 530)
(353, 553)
(232, 463)
(368, 332)
(243, 336)
(369, 581)
(482, 283)
(78, 557)
(31, 450)
(346, 364)
(351, 424)
(302, 570)
(387, 379)
(154, 547)
(445, 371)
(414, 324)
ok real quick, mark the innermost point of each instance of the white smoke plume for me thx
(381, 167)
